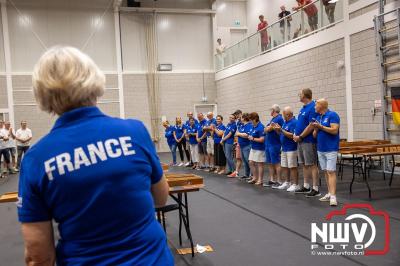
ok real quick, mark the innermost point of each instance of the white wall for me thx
(185, 41)
(227, 13)
(59, 23)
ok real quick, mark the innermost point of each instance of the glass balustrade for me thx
(312, 17)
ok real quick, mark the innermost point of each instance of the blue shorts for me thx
(273, 154)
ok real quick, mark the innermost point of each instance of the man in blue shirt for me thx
(238, 154)
(187, 125)
(273, 149)
(172, 144)
(202, 140)
(289, 150)
(326, 130)
(210, 124)
(307, 149)
(227, 141)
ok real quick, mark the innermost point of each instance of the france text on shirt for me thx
(103, 150)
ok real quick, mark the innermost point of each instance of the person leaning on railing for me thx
(311, 11)
(262, 28)
(330, 10)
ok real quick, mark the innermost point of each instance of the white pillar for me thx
(347, 61)
(119, 63)
(7, 57)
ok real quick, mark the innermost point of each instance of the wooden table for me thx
(180, 185)
(368, 151)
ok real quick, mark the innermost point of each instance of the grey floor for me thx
(246, 225)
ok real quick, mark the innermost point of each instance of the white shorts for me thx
(210, 146)
(257, 156)
(194, 153)
(327, 160)
(289, 159)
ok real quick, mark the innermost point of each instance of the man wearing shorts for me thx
(326, 130)
(210, 123)
(307, 149)
(273, 149)
(202, 140)
(289, 151)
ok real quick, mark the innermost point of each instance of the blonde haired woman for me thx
(85, 171)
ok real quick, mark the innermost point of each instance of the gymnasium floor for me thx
(246, 225)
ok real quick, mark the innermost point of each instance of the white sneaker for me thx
(285, 185)
(181, 164)
(187, 164)
(327, 197)
(333, 202)
(292, 188)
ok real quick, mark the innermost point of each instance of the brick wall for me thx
(25, 107)
(365, 85)
(280, 82)
(3, 92)
(178, 94)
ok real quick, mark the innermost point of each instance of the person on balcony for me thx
(262, 29)
(330, 10)
(311, 11)
(286, 15)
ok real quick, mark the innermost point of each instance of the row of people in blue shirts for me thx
(284, 142)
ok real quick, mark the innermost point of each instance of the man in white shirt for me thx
(23, 137)
(6, 147)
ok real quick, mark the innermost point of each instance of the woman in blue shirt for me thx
(179, 135)
(257, 152)
(243, 133)
(100, 188)
(219, 155)
(326, 130)
(169, 135)
(227, 142)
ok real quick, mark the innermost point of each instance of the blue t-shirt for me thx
(200, 132)
(169, 135)
(187, 123)
(192, 130)
(257, 132)
(96, 186)
(179, 131)
(289, 144)
(210, 122)
(217, 139)
(305, 117)
(230, 127)
(272, 138)
(244, 128)
(327, 142)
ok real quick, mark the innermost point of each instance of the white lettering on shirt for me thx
(89, 155)
(97, 151)
(63, 160)
(126, 146)
(80, 158)
(109, 149)
(49, 168)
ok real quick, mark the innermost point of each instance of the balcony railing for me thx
(313, 17)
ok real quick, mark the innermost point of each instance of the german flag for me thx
(395, 94)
